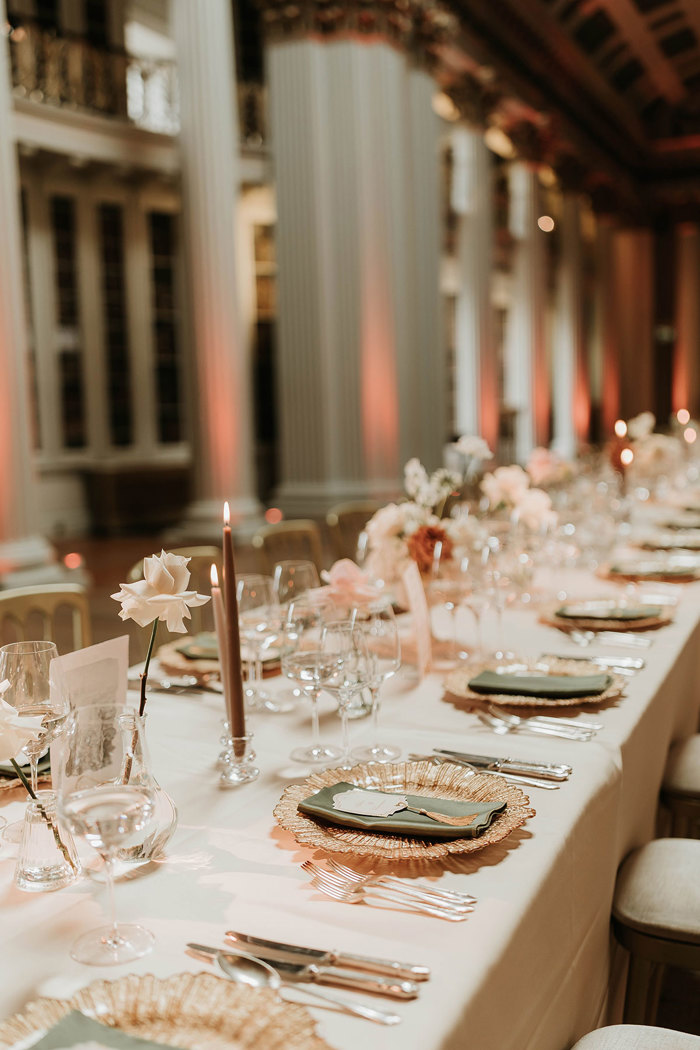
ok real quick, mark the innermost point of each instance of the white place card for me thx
(369, 803)
(96, 674)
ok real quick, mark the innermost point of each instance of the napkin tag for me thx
(418, 604)
(369, 803)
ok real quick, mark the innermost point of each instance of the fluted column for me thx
(359, 355)
(223, 441)
(569, 372)
(476, 383)
(605, 367)
(526, 367)
(21, 549)
(686, 361)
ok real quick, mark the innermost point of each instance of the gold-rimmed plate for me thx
(590, 615)
(423, 778)
(457, 684)
(192, 1011)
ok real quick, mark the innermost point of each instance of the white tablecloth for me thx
(530, 968)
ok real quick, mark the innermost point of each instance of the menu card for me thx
(96, 674)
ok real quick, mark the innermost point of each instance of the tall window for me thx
(70, 365)
(115, 319)
(167, 362)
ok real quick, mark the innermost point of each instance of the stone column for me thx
(24, 556)
(686, 361)
(526, 368)
(209, 147)
(476, 383)
(359, 370)
(569, 372)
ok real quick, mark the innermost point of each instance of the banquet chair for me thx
(201, 560)
(637, 1037)
(298, 538)
(345, 523)
(56, 612)
(680, 789)
(656, 917)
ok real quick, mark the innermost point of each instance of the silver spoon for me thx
(246, 969)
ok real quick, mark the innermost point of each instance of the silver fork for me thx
(459, 901)
(499, 724)
(567, 723)
(353, 893)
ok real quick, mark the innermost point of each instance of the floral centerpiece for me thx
(548, 469)
(508, 489)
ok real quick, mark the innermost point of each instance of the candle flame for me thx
(626, 457)
(227, 514)
(214, 576)
(620, 428)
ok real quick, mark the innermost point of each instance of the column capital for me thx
(475, 99)
(415, 26)
(533, 142)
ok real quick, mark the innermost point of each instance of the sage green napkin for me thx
(202, 646)
(622, 612)
(650, 572)
(320, 806)
(549, 687)
(76, 1029)
(9, 771)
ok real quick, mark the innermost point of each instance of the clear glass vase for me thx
(161, 827)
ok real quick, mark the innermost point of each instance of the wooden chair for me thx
(656, 917)
(201, 560)
(637, 1037)
(57, 612)
(345, 523)
(680, 790)
(300, 538)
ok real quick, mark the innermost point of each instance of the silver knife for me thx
(510, 765)
(330, 957)
(527, 780)
(312, 973)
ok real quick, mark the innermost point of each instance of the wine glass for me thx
(382, 638)
(260, 623)
(447, 586)
(292, 579)
(344, 645)
(305, 663)
(106, 795)
(26, 666)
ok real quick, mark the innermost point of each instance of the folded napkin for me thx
(551, 686)
(620, 612)
(320, 806)
(652, 571)
(75, 1029)
(9, 771)
(202, 646)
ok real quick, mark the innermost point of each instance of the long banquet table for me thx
(529, 970)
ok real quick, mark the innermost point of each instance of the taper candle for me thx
(220, 627)
(233, 641)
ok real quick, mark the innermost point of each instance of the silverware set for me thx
(501, 723)
(351, 887)
(524, 779)
(626, 638)
(624, 665)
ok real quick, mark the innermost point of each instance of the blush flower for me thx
(162, 594)
(346, 585)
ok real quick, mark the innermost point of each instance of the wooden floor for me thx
(107, 562)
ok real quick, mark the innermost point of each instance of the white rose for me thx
(506, 485)
(534, 510)
(162, 594)
(387, 521)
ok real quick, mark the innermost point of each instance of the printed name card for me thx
(418, 604)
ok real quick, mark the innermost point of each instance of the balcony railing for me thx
(72, 73)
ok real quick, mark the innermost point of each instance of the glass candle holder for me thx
(47, 859)
(240, 766)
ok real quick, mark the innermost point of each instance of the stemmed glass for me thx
(344, 645)
(292, 579)
(448, 585)
(304, 662)
(106, 795)
(382, 638)
(260, 621)
(26, 666)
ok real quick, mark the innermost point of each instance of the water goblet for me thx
(106, 796)
(260, 622)
(305, 663)
(344, 645)
(382, 637)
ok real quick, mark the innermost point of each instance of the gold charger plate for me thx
(424, 778)
(175, 663)
(596, 623)
(628, 573)
(457, 683)
(193, 1011)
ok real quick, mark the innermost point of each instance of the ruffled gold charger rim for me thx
(192, 1011)
(457, 684)
(424, 778)
(596, 623)
(606, 572)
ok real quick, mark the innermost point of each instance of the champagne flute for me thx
(344, 645)
(305, 663)
(26, 666)
(103, 798)
(260, 622)
(382, 637)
